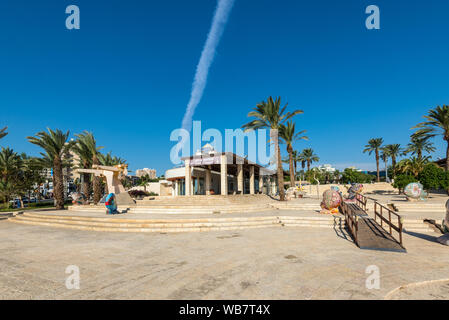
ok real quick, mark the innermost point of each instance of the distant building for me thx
(326, 168)
(355, 169)
(145, 171)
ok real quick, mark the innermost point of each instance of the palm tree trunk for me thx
(419, 154)
(97, 184)
(280, 172)
(393, 163)
(85, 188)
(447, 156)
(292, 171)
(58, 184)
(308, 166)
(377, 164)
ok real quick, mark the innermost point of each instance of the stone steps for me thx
(174, 225)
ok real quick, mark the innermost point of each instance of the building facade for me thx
(224, 173)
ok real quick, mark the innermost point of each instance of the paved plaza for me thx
(270, 263)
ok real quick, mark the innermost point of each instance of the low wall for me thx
(367, 188)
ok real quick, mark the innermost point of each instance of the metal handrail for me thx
(391, 226)
(351, 221)
(361, 201)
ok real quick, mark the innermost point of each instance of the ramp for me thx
(367, 232)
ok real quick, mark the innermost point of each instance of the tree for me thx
(394, 151)
(402, 180)
(384, 156)
(432, 177)
(143, 181)
(413, 166)
(353, 176)
(55, 145)
(90, 144)
(270, 115)
(3, 132)
(81, 149)
(288, 135)
(308, 157)
(374, 145)
(419, 144)
(10, 165)
(437, 123)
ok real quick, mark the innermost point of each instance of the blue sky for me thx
(126, 75)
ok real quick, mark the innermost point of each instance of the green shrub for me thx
(432, 177)
(403, 180)
(354, 176)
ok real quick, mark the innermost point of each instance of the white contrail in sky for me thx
(207, 56)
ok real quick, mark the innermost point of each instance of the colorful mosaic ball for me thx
(414, 190)
(331, 200)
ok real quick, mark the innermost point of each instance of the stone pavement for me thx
(273, 263)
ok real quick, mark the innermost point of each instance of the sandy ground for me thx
(272, 263)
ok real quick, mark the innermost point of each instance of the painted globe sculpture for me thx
(415, 191)
(444, 239)
(331, 201)
(78, 198)
(353, 190)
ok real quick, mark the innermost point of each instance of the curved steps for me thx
(174, 225)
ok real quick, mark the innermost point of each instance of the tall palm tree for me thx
(419, 144)
(270, 115)
(81, 149)
(374, 145)
(3, 132)
(295, 156)
(394, 151)
(88, 139)
(288, 135)
(55, 145)
(437, 123)
(308, 157)
(384, 156)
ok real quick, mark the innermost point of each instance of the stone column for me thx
(207, 182)
(188, 181)
(251, 179)
(260, 183)
(224, 174)
(240, 178)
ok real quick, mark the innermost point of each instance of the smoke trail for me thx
(207, 55)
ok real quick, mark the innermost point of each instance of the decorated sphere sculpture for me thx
(111, 205)
(78, 198)
(444, 239)
(331, 201)
(415, 191)
(353, 190)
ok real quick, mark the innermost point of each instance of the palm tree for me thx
(374, 145)
(308, 156)
(288, 135)
(270, 115)
(419, 144)
(437, 123)
(55, 146)
(109, 160)
(10, 165)
(143, 181)
(394, 151)
(81, 149)
(413, 166)
(3, 132)
(384, 156)
(88, 139)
